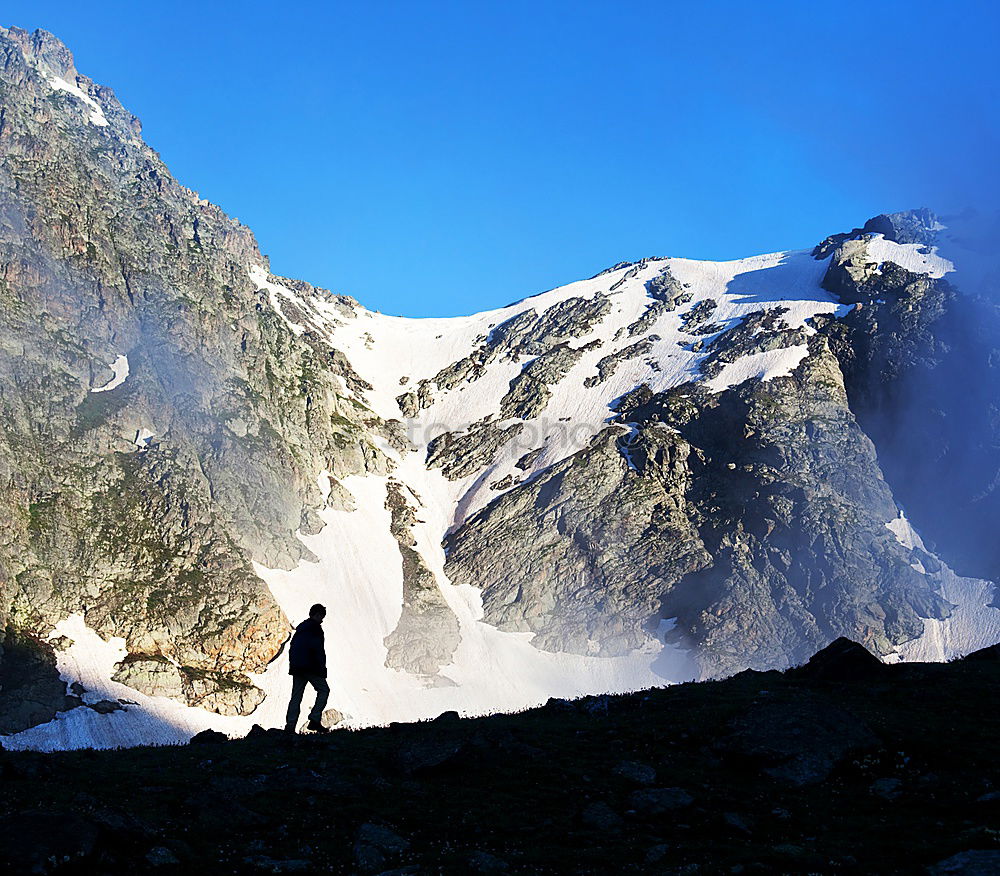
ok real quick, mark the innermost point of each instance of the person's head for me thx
(317, 612)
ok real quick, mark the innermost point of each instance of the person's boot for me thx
(316, 727)
(289, 728)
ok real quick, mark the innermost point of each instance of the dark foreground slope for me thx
(893, 771)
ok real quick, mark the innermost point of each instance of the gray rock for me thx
(484, 862)
(976, 862)
(607, 366)
(909, 226)
(31, 690)
(530, 391)
(659, 801)
(640, 773)
(695, 320)
(375, 844)
(161, 856)
(842, 660)
(528, 460)
(798, 743)
(530, 548)
(106, 707)
(44, 842)
(155, 540)
(667, 294)
(759, 332)
(427, 634)
(208, 737)
(657, 853)
(902, 352)
(736, 821)
(273, 865)
(224, 693)
(460, 455)
(428, 753)
(331, 718)
(887, 789)
(600, 816)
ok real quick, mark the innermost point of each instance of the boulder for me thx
(842, 660)
(639, 773)
(659, 801)
(41, 842)
(484, 862)
(601, 817)
(977, 862)
(208, 737)
(989, 653)
(798, 743)
(375, 844)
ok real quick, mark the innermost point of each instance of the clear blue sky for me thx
(439, 158)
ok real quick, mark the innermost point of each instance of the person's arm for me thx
(318, 651)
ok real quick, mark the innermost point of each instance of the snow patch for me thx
(908, 256)
(765, 365)
(359, 578)
(144, 720)
(974, 622)
(905, 534)
(96, 116)
(275, 292)
(119, 369)
(626, 442)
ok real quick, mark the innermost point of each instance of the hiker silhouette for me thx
(307, 665)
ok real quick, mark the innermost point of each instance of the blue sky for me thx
(440, 158)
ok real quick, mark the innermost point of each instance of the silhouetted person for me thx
(307, 665)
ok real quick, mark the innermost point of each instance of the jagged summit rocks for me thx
(676, 469)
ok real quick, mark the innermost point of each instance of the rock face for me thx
(31, 691)
(224, 693)
(128, 498)
(756, 517)
(427, 633)
(461, 455)
(920, 362)
(537, 545)
(715, 453)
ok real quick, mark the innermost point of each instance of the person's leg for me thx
(295, 703)
(322, 695)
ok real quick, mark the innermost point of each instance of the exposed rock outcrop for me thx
(920, 361)
(535, 548)
(427, 634)
(462, 454)
(755, 517)
(529, 392)
(133, 502)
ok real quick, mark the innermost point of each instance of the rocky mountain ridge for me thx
(672, 470)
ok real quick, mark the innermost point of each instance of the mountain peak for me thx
(45, 49)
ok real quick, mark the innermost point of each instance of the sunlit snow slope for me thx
(358, 572)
